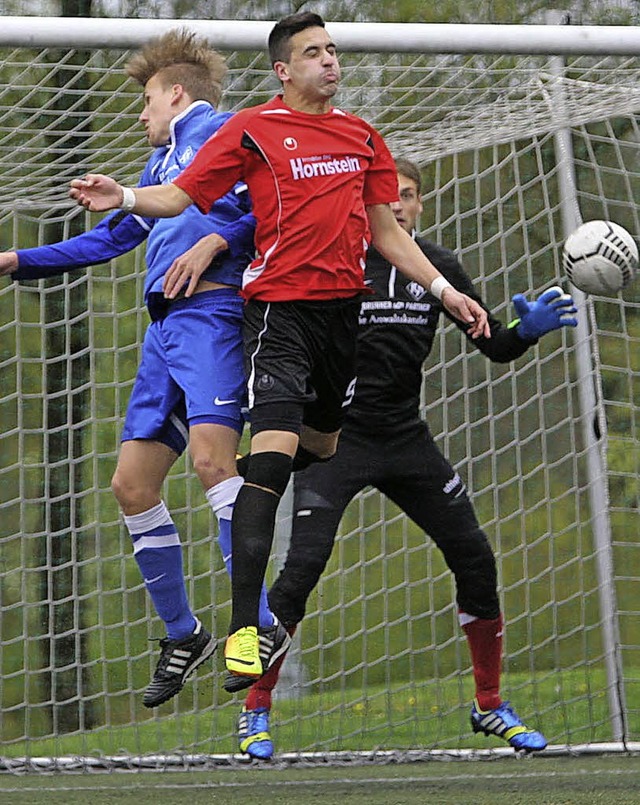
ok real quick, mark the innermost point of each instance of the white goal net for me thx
(549, 446)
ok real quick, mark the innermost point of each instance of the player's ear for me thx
(177, 93)
(281, 70)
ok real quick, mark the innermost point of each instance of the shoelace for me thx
(245, 644)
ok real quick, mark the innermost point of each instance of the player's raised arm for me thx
(400, 250)
(99, 193)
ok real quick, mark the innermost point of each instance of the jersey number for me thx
(351, 390)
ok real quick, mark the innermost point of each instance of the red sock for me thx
(485, 644)
(260, 692)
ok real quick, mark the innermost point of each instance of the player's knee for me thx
(132, 494)
(476, 577)
(477, 558)
(304, 570)
(288, 606)
(305, 563)
(269, 470)
(211, 472)
(289, 595)
(122, 487)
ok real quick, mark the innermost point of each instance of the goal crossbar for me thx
(611, 40)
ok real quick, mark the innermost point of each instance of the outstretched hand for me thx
(553, 309)
(96, 192)
(467, 310)
(8, 263)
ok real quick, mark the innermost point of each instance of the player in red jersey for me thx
(321, 181)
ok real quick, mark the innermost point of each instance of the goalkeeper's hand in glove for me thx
(552, 310)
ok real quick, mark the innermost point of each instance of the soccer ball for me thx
(600, 257)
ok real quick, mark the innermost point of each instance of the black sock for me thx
(252, 529)
(242, 464)
(302, 459)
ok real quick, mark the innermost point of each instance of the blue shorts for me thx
(191, 371)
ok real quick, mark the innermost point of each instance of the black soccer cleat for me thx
(274, 641)
(178, 659)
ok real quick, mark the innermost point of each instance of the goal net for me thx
(549, 445)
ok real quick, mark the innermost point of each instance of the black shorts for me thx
(300, 359)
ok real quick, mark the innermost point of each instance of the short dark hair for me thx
(282, 31)
(409, 169)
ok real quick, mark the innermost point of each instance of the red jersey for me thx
(310, 178)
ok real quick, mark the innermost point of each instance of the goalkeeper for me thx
(174, 399)
(384, 443)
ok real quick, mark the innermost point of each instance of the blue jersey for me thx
(167, 238)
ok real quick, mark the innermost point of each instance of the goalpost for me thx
(521, 132)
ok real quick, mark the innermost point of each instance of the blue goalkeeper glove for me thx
(552, 310)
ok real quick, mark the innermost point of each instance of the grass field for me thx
(536, 780)
(401, 716)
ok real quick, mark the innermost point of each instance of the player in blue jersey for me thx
(190, 385)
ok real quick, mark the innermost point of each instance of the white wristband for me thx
(128, 199)
(438, 286)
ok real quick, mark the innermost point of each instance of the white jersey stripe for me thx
(252, 373)
(252, 273)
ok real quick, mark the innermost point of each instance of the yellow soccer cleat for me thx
(274, 642)
(242, 653)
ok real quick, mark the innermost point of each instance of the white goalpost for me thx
(521, 132)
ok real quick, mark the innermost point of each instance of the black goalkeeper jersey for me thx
(397, 327)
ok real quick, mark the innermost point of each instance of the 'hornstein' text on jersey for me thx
(310, 179)
(323, 167)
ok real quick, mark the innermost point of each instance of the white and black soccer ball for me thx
(600, 257)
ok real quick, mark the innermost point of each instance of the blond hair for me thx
(181, 57)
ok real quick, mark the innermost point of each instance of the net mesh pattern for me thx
(380, 662)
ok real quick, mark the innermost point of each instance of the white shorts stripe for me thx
(252, 374)
(179, 426)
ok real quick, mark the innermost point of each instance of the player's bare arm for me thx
(8, 263)
(189, 267)
(99, 193)
(400, 250)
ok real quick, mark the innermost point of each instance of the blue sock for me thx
(221, 498)
(157, 550)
